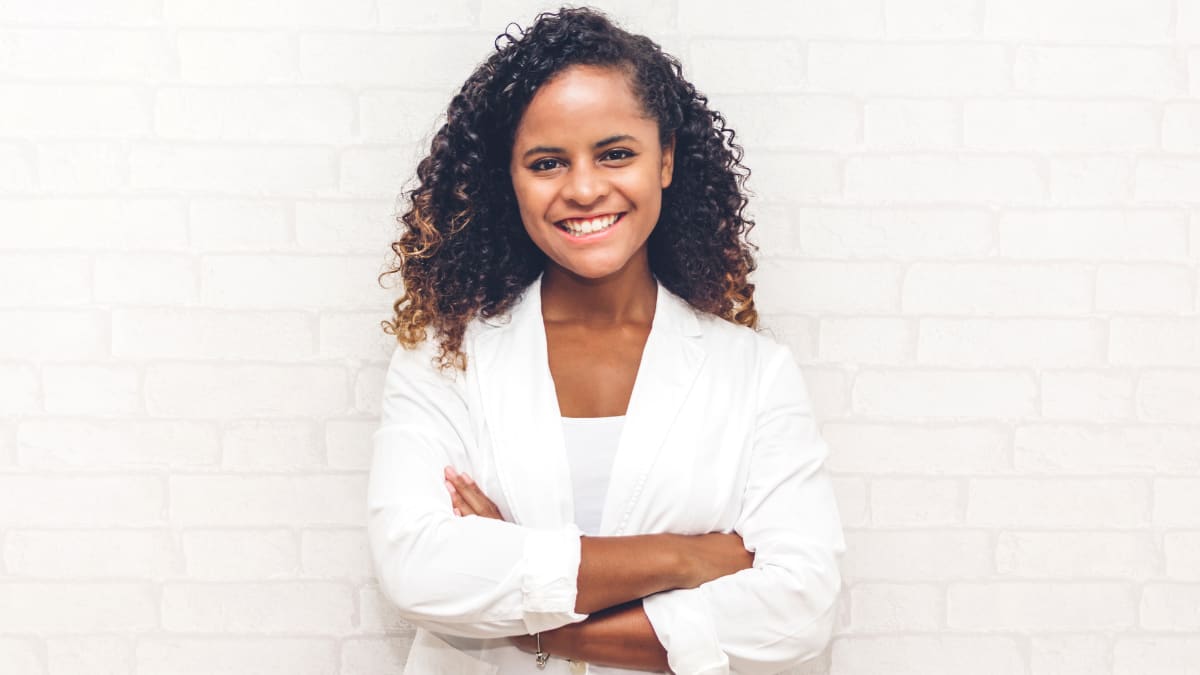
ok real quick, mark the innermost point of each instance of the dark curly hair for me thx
(464, 252)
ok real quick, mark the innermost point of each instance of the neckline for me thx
(592, 419)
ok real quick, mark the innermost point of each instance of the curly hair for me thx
(463, 251)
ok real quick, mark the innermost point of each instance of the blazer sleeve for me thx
(780, 612)
(467, 576)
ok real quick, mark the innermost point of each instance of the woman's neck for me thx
(626, 296)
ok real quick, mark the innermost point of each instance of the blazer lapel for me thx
(520, 408)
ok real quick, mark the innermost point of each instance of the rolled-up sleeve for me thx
(468, 576)
(781, 612)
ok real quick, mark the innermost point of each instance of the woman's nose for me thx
(584, 184)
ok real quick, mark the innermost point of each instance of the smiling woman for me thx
(594, 463)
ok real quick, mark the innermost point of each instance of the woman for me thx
(601, 467)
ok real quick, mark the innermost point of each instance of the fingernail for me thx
(468, 479)
(449, 471)
(457, 512)
(449, 486)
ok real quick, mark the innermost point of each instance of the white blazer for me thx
(719, 436)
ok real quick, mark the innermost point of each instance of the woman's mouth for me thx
(588, 228)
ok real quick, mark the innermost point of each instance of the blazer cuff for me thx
(683, 623)
(550, 583)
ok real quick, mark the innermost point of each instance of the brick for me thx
(375, 172)
(1167, 179)
(815, 122)
(348, 443)
(401, 115)
(324, 14)
(319, 607)
(336, 554)
(944, 394)
(223, 391)
(237, 555)
(53, 111)
(99, 54)
(1156, 655)
(278, 282)
(799, 333)
(54, 335)
(267, 445)
(1059, 20)
(907, 69)
(1042, 607)
(935, 556)
(791, 176)
(1044, 503)
(877, 340)
(1171, 607)
(828, 390)
(1175, 502)
(94, 224)
(92, 389)
(131, 12)
(17, 168)
(20, 390)
(404, 16)
(79, 501)
(20, 657)
(733, 65)
(1132, 235)
(1069, 655)
(1099, 71)
(237, 170)
(920, 655)
(853, 506)
(805, 18)
(1011, 342)
(1169, 396)
(106, 445)
(824, 286)
(355, 335)
(912, 124)
(90, 655)
(61, 607)
(1111, 448)
(440, 62)
(891, 233)
(219, 224)
(44, 280)
(1078, 181)
(1075, 556)
(262, 114)
(236, 57)
(368, 383)
(379, 615)
(170, 655)
(1181, 127)
(916, 502)
(285, 501)
(1187, 22)
(889, 449)
(979, 288)
(1144, 289)
(81, 166)
(884, 608)
(1063, 126)
(99, 554)
(177, 333)
(932, 19)
(1154, 341)
(1182, 553)
(365, 656)
(634, 15)
(345, 227)
(944, 179)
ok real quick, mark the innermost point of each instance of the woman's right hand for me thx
(710, 556)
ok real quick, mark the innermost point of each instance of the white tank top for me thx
(591, 447)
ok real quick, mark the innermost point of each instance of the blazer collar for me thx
(520, 408)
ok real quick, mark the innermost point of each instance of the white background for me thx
(980, 232)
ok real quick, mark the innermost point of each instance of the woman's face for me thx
(588, 172)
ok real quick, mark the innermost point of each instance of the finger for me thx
(473, 496)
(457, 504)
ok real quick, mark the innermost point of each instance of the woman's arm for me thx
(621, 637)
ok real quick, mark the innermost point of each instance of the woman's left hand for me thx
(466, 497)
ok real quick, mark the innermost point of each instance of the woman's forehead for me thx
(584, 104)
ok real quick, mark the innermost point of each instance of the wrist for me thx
(677, 562)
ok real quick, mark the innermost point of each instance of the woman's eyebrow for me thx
(599, 144)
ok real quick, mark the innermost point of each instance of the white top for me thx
(591, 446)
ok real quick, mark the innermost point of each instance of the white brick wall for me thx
(980, 231)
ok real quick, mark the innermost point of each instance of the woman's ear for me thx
(668, 162)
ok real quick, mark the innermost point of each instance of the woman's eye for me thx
(618, 154)
(541, 164)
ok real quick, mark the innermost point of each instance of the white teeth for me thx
(581, 227)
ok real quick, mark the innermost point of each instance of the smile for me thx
(581, 227)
